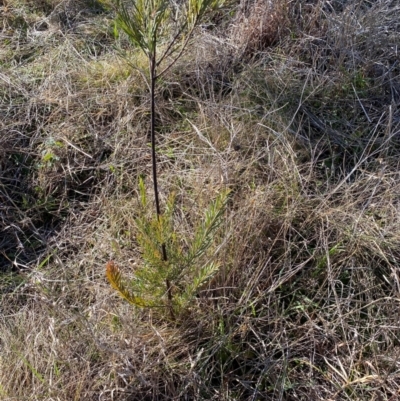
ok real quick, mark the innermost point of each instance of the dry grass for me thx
(301, 122)
(259, 25)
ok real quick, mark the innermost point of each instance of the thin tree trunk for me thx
(153, 78)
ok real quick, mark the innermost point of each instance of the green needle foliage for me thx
(188, 266)
(150, 23)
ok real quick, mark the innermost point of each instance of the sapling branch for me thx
(171, 64)
(169, 50)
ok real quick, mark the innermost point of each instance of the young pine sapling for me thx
(152, 25)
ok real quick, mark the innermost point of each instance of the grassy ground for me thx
(294, 106)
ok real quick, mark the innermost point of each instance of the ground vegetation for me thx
(291, 106)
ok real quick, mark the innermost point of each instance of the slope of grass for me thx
(294, 106)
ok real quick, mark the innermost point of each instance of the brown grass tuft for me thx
(259, 25)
